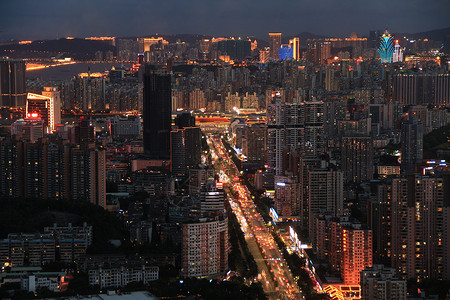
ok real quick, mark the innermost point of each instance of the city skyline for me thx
(47, 20)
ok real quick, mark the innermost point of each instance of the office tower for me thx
(295, 42)
(411, 145)
(386, 47)
(380, 282)
(157, 113)
(198, 177)
(42, 107)
(185, 149)
(254, 145)
(357, 158)
(420, 237)
(275, 43)
(286, 52)
(54, 93)
(12, 83)
(211, 198)
(398, 53)
(205, 248)
(326, 193)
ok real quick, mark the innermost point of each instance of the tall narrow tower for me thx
(275, 43)
(157, 113)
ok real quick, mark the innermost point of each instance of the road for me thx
(274, 274)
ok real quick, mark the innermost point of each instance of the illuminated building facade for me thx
(398, 53)
(295, 43)
(386, 47)
(54, 93)
(42, 107)
(275, 39)
(356, 252)
(286, 52)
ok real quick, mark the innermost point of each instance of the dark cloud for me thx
(31, 19)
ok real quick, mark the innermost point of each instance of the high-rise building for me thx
(419, 234)
(275, 43)
(357, 158)
(42, 107)
(12, 82)
(412, 145)
(157, 113)
(295, 42)
(254, 145)
(211, 198)
(85, 133)
(205, 248)
(54, 93)
(421, 88)
(379, 282)
(355, 252)
(386, 47)
(185, 149)
(326, 193)
(398, 53)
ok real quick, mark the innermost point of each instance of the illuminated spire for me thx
(386, 48)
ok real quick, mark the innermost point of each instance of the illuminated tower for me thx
(386, 48)
(295, 42)
(275, 39)
(42, 107)
(398, 53)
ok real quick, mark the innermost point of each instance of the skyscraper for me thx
(386, 48)
(42, 107)
(12, 83)
(412, 145)
(54, 93)
(275, 39)
(157, 113)
(295, 42)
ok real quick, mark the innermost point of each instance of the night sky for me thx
(44, 19)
